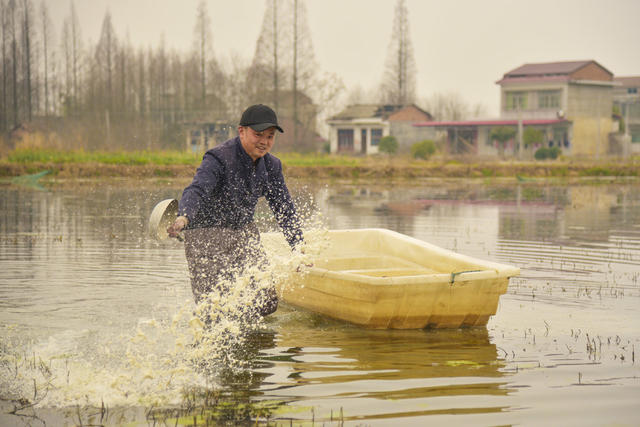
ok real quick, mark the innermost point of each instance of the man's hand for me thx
(303, 266)
(174, 229)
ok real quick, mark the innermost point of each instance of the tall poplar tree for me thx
(14, 59)
(105, 57)
(399, 79)
(4, 24)
(27, 55)
(47, 36)
(268, 74)
(203, 42)
(76, 49)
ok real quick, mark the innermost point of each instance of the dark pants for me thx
(217, 256)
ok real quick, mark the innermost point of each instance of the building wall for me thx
(485, 147)
(532, 111)
(627, 97)
(587, 105)
(589, 109)
(406, 134)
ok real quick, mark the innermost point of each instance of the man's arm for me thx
(282, 206)
(204, 183)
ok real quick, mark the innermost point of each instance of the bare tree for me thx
(27, 35)
(162, 76)
(236, 95)
(4, 23)
(451, 106)
(267, 74)
(203, 41)
(399, 80)
(14, 59)
(71, 46)
(105, 57)
(75, 54)
(304, 67)
(65, 45)
(329, 89)
(124, 72)
(47, 38)
(142, 87)
(359, 95)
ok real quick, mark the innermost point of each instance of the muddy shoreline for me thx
(382, 170)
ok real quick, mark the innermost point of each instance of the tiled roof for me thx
(628, 81)
(366, 111)
(547, 69)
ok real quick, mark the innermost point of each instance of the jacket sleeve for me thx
(282, 205)
(203, 185)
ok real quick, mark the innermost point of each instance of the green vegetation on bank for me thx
(298, 159)
(79, 163)
(37, 155)
(32, 155)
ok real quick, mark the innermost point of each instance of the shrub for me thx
(547, 153)
(423, 149)
(388, 144)
(541, 153)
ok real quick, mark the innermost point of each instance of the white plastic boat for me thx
(382, 279)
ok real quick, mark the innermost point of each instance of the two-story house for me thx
(578, 91)
(570, 102)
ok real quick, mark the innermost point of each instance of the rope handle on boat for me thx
(453, 275)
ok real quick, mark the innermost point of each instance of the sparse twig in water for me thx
(506, 355)
(547, 326)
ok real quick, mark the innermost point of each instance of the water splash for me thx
(163, 358)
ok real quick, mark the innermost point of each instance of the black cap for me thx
(260, 117)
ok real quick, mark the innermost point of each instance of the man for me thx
(217, 209)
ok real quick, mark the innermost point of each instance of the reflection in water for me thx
(79, 278)
(395, 372)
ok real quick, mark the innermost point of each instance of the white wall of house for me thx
(360, 128)
(536, 107)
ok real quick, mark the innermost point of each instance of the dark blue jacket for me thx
(227, 186)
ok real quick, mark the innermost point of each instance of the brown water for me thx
(95, 316)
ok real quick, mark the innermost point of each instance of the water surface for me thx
(92, 313)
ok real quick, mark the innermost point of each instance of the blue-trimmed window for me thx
(376, 136)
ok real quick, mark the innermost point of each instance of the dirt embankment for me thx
(380, 170)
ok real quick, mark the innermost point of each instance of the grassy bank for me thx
(138, 164)
(31, 156)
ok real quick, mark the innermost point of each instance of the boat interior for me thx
(374, 265)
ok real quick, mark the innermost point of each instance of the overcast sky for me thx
(462, 46)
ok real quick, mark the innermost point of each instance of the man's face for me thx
(256, 144)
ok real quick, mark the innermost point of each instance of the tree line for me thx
(115, 94)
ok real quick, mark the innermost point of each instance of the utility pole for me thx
(599, 119)
(627, 138)
(519, 131)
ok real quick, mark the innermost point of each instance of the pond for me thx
(95, 315)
